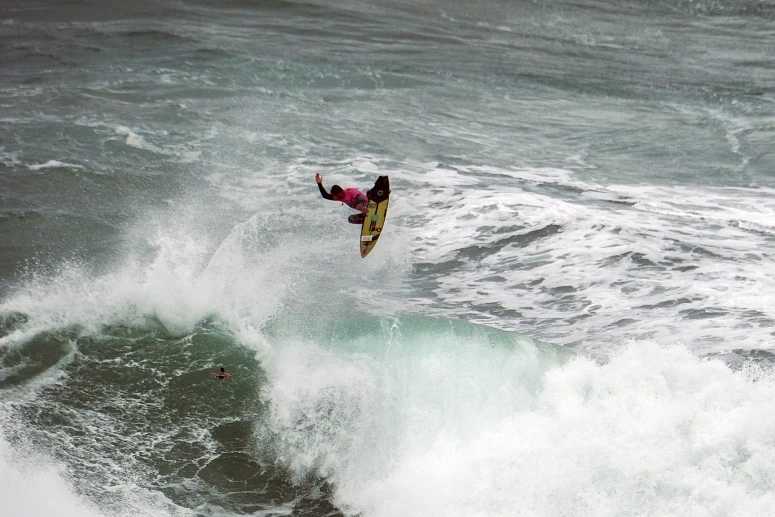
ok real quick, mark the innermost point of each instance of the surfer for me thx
(351, 197)
(221, 375)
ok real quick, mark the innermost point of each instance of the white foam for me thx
(440, 431)
(623, 261)
(167, 288)
(31, 484)
(135, 140)
(53, 164)
(179, 278)
(9, 158)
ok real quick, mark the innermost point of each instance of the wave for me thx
(137, 401)
(437, 417)
(393, 415)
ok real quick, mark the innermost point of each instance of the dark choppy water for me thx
(594, 175)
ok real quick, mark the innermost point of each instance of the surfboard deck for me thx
(371, 229)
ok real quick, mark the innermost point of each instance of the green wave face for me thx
(410, 335)
(350, 399)
(325, 400)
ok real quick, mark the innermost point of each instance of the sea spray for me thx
(433, 424)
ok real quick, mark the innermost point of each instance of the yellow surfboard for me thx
(379, 196)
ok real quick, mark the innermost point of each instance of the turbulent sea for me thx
(571, 310)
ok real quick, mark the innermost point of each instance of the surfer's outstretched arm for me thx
(322, 189)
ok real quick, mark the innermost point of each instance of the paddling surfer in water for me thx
(221, 375)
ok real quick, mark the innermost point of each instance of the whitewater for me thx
(569, 313)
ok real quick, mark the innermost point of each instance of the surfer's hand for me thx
(318, 177)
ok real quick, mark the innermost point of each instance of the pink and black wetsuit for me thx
(356, 200)
(353, 198)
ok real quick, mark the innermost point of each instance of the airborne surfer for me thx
(372, 206)
(351, 197)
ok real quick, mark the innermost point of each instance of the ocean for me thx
(570, 311)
